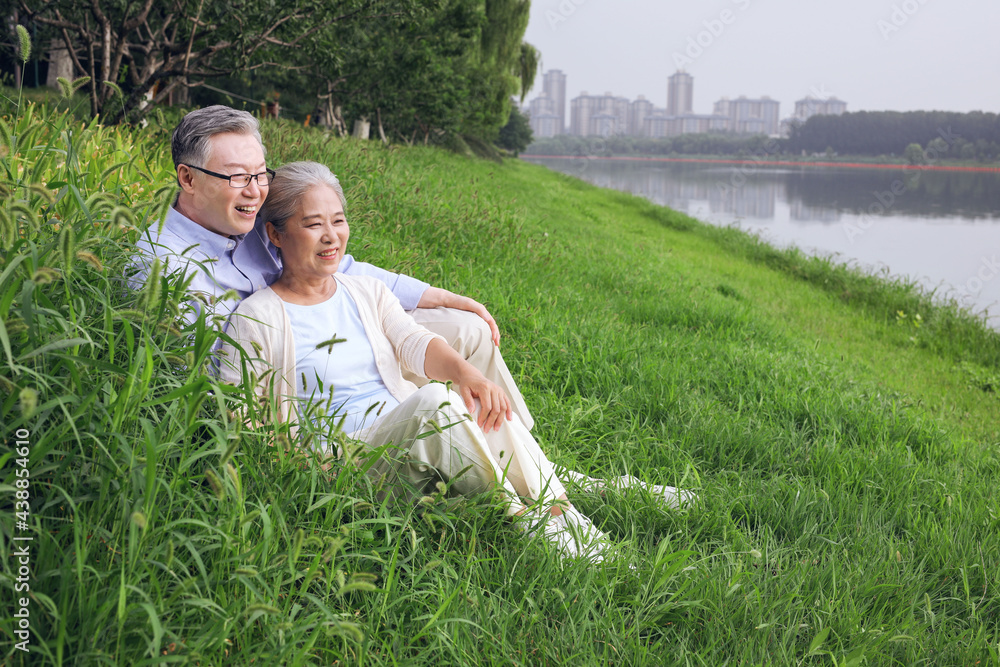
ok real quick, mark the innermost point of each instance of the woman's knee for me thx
(437, 397)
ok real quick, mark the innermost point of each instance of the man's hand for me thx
(434, 297)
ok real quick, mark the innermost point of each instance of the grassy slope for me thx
(874, 343)
(656, 350)
(848, 474)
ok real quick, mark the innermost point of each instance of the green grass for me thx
(846, 460)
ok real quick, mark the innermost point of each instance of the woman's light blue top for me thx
(344, 372)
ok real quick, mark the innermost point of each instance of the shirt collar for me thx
(212, 244)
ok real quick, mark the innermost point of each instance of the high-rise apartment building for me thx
(680, 94)
(696, 124)
(637, 113)
(810, 106)
(581, 108)
(603, 124)
(619, 108)
(611, 114)
(544, 121)
(656, 124)
(554, 86)
(750, 116)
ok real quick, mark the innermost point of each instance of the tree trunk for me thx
(381, 131)
(60, 64)
(362, 128)
(338, 119)
(182, 93)
(105, 57)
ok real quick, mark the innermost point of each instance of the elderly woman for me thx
(319, 335)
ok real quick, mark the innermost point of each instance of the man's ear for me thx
(185, 178)
(272, 234)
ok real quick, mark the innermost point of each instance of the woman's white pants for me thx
(432, 439)
(471, 338)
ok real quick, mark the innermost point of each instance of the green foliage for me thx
(414, 73)
(149, 51)
(527, 68)
(914, 154)
(890, 132)
(516, 135)
(418, 70)
(837, 517)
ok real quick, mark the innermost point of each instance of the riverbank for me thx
(772, 161)
(844, 450)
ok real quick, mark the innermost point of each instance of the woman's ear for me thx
(273, 235)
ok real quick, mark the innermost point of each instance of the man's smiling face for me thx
(210, 201)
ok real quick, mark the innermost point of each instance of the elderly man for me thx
(211, 234)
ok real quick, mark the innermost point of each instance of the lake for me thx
(941, 228)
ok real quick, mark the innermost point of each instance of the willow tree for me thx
(500, 64)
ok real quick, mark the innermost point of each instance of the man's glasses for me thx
(240, 180)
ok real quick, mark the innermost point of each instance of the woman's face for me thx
(315, 238)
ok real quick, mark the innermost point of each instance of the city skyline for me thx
(609, 114)
(900, 55)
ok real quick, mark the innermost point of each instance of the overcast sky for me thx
(874, 54)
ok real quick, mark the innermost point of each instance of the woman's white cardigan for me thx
(260, 325)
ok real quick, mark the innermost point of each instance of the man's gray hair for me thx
(290, 184)
(190, 141)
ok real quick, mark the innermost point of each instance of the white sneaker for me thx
(671, 496)
(571, 533)
(586, 539)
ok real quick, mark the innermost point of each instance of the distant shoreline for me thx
(780, 163)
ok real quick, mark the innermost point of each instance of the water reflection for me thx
(754, 200)
(818, 195)
(802, 212)
(940, 228)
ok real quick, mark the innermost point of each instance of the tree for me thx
(139, 52)
(417, 69)
(411, 76)
(937, 147)
(496, 67)
(426, 69)
(889, 132)
(516, 135)
(914, 154)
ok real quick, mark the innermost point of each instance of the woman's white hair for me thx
(290, 184)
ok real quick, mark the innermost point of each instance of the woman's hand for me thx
(434, 297)
(443, 363)
(494, 406)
